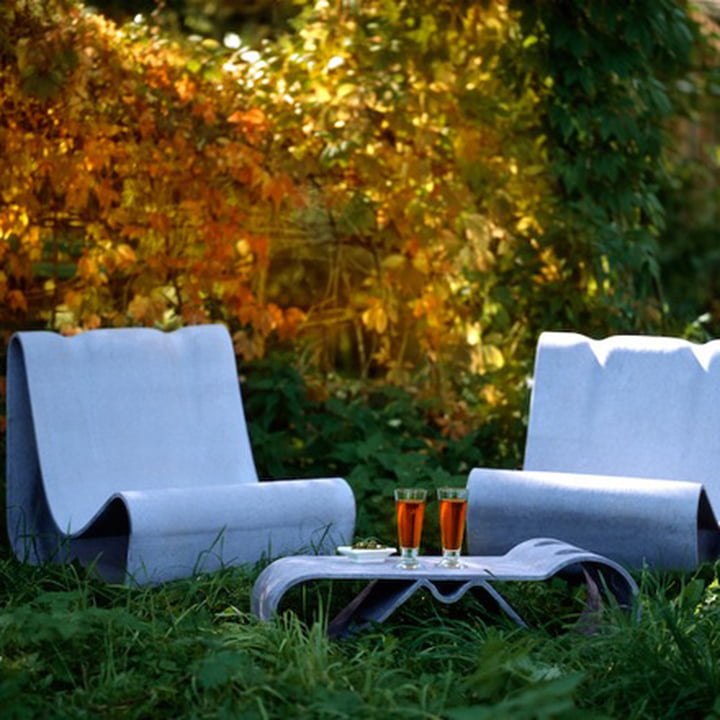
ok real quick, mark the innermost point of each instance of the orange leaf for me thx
(291, 320)
(253, 117)
(106, 194)
(92, 322)
(73, 299)
(160, 222)
(134, 231)
(276, 189)
(185, 88)
(17, 301)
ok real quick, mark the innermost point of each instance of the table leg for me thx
(374, 604)
(380, 598)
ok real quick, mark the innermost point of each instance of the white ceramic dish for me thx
(366, 555)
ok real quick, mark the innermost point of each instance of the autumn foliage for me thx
(392, 186)
(132, 173)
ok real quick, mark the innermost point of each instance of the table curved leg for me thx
(502, 603)
(374, 604)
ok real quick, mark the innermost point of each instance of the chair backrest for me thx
(126, 409)
(637, 406)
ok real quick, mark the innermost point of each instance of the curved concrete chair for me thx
(128, 449)
(622, 454)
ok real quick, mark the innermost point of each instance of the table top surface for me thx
(473, 567)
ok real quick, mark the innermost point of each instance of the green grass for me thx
(74, 647)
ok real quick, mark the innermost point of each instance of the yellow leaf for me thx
(139, 307)
(485, 357)
(394, 261)
(125, 255)
(491, 395)
(527, 223)
(494, 359)
(421, 262)
(375, 318)
(345, 89)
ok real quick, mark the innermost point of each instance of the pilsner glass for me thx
(453, 508)
(410, 510)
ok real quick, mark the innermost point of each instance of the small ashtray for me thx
(366, 555)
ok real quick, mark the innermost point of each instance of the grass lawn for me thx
(72, 646)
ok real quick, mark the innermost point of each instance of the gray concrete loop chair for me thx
(622, 454)
(128, 449)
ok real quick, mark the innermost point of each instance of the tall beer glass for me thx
(410, 510)
(453, 509)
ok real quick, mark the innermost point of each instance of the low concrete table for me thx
(389, 586)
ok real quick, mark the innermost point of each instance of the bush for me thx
(378, 438)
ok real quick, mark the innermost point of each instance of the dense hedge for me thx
(407, 191)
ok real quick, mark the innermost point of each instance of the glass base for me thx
(409, 558)
(451, 559)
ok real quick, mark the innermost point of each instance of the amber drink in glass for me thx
(453, 509)
(410, 510)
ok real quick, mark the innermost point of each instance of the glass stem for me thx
(409, 557)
